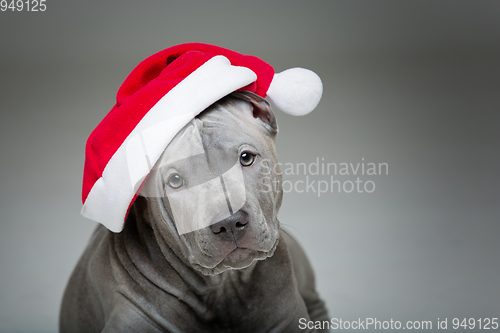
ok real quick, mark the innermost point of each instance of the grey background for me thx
(415, 84)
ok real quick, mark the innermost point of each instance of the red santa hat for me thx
(159, 97)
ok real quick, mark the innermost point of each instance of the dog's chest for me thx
(236, 304)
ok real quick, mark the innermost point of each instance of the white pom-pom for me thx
(296, 91)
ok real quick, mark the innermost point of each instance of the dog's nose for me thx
(231, 227)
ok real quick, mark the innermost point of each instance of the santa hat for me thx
(159, 97)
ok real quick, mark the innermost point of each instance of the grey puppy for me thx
(235, 272)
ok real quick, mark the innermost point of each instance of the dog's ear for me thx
(261, 108)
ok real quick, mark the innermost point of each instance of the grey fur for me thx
(148, 278)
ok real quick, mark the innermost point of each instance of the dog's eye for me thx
(175, 181)
(246, 159)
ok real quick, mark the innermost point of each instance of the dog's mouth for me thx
(238, 258)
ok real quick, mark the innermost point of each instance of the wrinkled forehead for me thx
(204, 149)
(209, 144)
(186, 144)
(216, 134)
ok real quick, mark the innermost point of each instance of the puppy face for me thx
(214, 191)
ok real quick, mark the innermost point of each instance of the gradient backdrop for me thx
(414, 84)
